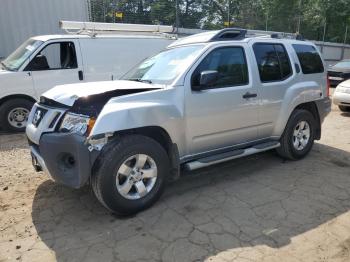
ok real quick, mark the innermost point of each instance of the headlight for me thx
(75, 123)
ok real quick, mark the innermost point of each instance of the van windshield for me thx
(164, 67)
(15, 60)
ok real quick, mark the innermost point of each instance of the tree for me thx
(275, 15)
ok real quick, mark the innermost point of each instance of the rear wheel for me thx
(344, 108)
(298, 136)
(130, 174)
(14, 114)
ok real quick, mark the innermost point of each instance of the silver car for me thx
(206, 99)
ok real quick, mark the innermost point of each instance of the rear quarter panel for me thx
(306, 88)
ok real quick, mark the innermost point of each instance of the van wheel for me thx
(14, 114)
(130, 174)
(298, 136)
(344, 108)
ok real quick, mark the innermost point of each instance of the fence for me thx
(314, 20)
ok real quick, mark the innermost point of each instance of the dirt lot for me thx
(258, 208)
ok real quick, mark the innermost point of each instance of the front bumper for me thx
(65, 157)
(340, 98)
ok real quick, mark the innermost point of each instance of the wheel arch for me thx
(22, 96)
(312, 108)
(160, 135)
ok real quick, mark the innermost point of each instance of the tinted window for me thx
(229, 62)
(309, 59)
(273, 62)
(284, 61)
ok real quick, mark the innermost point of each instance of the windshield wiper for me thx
(141, 80)
(4, 66)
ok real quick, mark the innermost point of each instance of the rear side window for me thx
(273, 62)
(229, 62)
(309, 59)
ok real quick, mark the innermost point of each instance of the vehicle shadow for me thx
(258, 200)
(12, 141)
(346, 114)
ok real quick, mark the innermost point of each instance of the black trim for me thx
(229, 34)
(44, 101)
(67, 158)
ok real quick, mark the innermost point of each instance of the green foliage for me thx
(274, 15)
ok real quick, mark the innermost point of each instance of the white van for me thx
(43, 62)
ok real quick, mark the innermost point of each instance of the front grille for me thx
(38, 116)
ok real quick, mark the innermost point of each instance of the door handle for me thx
(80, 75)
(249, 95)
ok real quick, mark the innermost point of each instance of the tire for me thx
(14, 114)
(344, 108)
(287, 149)
(106, 175)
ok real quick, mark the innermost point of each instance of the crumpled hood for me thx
(68, 94)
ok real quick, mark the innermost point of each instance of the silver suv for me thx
(206, 99)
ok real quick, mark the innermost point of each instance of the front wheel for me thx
(130, 174)
(14, 114)
(298, 136)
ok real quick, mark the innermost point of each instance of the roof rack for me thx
(239, 33)
(227, 34)
(93, 28)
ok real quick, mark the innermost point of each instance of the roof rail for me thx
(239, 34)
(296, 36)
(229, 34)
(93, 28)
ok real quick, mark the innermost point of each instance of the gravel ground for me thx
(259, 208)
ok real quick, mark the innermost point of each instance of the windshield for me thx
(15, 60)
(164, 67)
(343, 64)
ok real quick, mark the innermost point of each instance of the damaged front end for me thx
(59, 136)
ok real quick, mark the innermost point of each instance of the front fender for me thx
(157, 108)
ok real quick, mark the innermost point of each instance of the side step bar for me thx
(238, 153)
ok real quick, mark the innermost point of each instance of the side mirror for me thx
(39, 63)
(208, 78)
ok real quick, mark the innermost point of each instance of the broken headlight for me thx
(75, 123)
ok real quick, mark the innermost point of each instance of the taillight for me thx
(328, 85)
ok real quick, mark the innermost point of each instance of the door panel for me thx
(218, 116)
(275, 77)
(58, 63)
